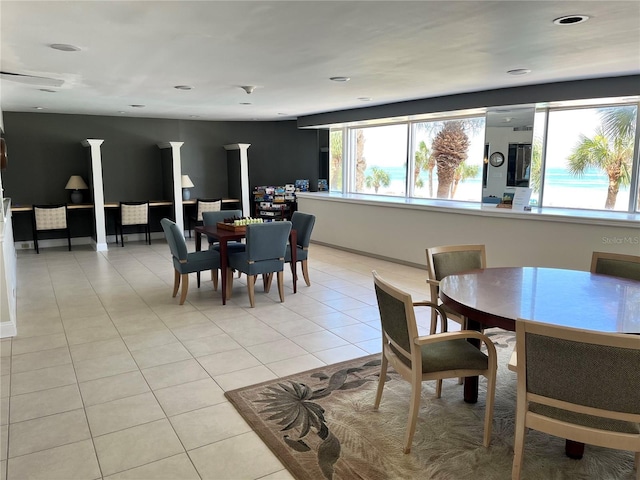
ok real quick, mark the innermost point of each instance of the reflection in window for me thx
(335, 160)
(448, 159)
(589, 158)
(379, 160)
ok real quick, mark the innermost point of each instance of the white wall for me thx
(404, 232)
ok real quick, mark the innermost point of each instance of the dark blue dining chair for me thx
(303, 224)
(184, 262)
(264, 255)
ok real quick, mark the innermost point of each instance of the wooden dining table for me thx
(224, 236)
(496, 297)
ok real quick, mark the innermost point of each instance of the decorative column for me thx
(97, 189)
(171, 177)
(238, 175)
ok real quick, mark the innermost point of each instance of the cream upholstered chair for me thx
(264, 255)
(185, 263)
(134, 214)
(577, 384)
(616, 265)
(431, 357)
(204, 205)
(451, 260)
(50, 218)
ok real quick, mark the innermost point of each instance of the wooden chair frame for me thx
(597, 256)
(391, 352)
(120, 225)
(66, 228)
(564, 428)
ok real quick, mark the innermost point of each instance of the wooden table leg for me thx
(293, 241)
(223, 269)
(471, 383)
(573, 449)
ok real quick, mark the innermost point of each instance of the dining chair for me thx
(134, 214)
(451, 260)
(264, 255)
(430, 357)
(50, 218)
(303, 224)
(211, 219)
(616, 265)
(204, 205)
(184, 262)
(577, 384)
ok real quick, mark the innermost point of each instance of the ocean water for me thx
(561, 189)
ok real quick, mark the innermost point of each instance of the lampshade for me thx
(76, 183)
(186, 182)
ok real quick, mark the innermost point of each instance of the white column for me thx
(244, 176)
(98, 192)
(176, 170)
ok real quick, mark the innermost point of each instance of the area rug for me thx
(321, 425)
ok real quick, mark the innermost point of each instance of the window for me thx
(589, 158)
(335, 160)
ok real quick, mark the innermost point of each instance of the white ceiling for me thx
(135, 52)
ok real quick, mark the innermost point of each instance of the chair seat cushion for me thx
(239, 261)
(585, 420)
(232, 247)
(449, 355)
(300, 253)
(198, 261)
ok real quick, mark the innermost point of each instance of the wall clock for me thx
(496, 159)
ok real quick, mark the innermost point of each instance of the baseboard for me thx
(372, 255)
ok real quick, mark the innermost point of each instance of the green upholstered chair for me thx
(50, 218)
(577, 384)
(303, 224)
(616, 265)
(185, 263)
(430, 357)
(264, 255)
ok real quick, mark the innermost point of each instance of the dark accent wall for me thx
(46, 150)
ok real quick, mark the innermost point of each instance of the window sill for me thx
(565, 215)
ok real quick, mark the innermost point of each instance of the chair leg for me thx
(69, 238)
(414, 407)
(438, 388)
(121, 236)
(251, 281)
(518, 443)
(149, 232)
(176, 282)
(35, 242)
(488, 409)
(305, 272)
(381, 381)
(185, 288)
(198, 278)
(214, 278)
(267, 278)
(637, 465)
(280, 285)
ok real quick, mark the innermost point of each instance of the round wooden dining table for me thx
(496, 297)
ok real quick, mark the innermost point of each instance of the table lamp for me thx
(76, 183)
(186, 185)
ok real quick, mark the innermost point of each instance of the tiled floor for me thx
(110, 378)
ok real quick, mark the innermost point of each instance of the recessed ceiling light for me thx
(245, 103)
(64, 47)
(183, 87)
(39, 108)
(137, 106)
(339, 79)
(122, 112)
(571, 19)
(365, 99)
(48, 90)
(194, 116)
(519, 71)
(282, 114)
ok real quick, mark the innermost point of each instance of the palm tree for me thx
(335, 169)
(361, 162)
(610, 150)
(449, 148)
(463, 172)
(378, 178)
(421, 163)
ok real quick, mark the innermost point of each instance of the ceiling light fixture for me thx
(48, 90)
(571, 19)
(245, 103)
(248, 88)
(339, 79)
(519, 71)
(183, 87)
(365, 99)
(64, 47)
(194, 116)
(137, 106)
(39, 108)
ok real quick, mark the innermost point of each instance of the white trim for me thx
(98, 192)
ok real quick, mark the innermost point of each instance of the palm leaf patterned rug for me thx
(321, 425)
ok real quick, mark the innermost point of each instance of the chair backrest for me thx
(207, 205)
(267, 241)
(303, 224)
(50, 217)
(212, 218)
(616, 265)
(396, 315)
(584, 369)
(175, 239)
(134, 213)
(453, 259)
